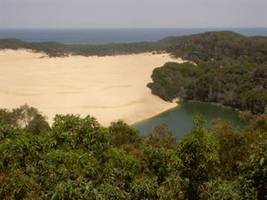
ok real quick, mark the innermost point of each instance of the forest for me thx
(77, 158)
(222, 67)
(54, 49)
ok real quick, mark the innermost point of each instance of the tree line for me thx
(223, 67)
(55, 49)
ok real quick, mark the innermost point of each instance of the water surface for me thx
(180, 119)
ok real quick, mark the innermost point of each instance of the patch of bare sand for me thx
(109, 88)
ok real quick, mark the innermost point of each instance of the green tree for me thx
(222, 190)
(255, 101)
(199, 154)
(121, 134)
(144, 188)
(74, 132)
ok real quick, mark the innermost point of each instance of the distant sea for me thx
(102, 36)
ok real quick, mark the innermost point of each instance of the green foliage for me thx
(231, 69)
(219, 46)
(161, 136)
(171, 189)
(122, 134)
(25, 117)
(80, 159)
(170, 82)
(17, 185)
(256, 101)
(156, 160)
(121, 168)
(256, 170)
(223, 190)
(233, 148)
(55, 49)
(144, 188)
(230, 85)
(74, 132)
(199, 153)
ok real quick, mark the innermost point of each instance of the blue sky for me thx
(132, 13)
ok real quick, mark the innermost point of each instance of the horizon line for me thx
(129, 28)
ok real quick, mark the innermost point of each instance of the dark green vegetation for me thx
(54, 49)
(229, 69)
(77, 158)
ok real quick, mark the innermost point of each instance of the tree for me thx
(222, 190)
(38, 125)
(255, 101)
(72, 131)
(255, 171)
(162, 136)
(199, 154)
(144, 188)
(121, 134)
(25, 117)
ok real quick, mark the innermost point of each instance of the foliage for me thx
(223, 190)
(230, 85)
(54, 49)
(228, 68)
(200, 158)
(122, 134)
(79, 159)
(25, 117)
(144, 188)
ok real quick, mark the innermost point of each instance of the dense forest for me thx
(77, 158)
(223, 67)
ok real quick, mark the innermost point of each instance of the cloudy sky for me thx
(132, 13)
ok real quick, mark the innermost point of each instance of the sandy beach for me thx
(109, 88)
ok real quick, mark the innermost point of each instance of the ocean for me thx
(103, 36)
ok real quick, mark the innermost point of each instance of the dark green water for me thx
(180, 119)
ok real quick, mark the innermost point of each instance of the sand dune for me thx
(109, 88)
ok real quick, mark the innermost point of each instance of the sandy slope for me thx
(108, 88)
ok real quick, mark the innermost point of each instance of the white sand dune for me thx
(109, 88)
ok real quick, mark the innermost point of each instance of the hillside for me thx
(218, 46)
(230, 69)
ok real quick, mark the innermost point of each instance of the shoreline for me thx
(109, 88)
(177, 103)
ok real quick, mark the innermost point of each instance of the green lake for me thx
(180, 119)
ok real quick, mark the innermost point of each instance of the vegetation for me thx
(54, 49)
(77, 158)
(224, 67)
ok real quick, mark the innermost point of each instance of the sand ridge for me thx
(109, 87)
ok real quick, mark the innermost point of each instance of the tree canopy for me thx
(77, 158)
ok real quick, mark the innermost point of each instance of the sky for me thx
(40, 14)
